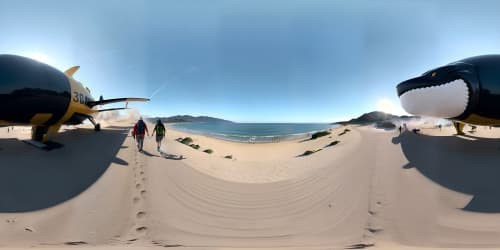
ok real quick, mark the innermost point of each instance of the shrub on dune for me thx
(319, 134)
(310, 152)
(228, 157)
(195, 146)
(333, 143)
(208, 151)
(187, 140)
(345, 131)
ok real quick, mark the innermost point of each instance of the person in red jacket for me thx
(140, 129)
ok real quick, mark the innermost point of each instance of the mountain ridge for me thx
(188, 118)
(374, 117)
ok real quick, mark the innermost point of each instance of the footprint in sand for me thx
(141, 173)
(137, 186)
(141, 215)
(143, 192)
(141, 229)
(136, 199)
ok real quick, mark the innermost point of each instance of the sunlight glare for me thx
(387, 106)
(41, 57)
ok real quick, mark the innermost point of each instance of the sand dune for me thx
(374, 187)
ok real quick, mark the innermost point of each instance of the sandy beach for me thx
(375, 188)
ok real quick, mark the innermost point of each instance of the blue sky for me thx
(251, 61)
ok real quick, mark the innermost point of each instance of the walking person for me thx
(140, 129)
(160, 133)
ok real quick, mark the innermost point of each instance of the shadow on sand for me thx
(468, 165)
(147, 153)
(172, 156)
(164, 155)
(33, 179)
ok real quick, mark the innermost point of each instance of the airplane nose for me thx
(29, 88)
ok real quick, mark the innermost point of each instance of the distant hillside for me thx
(375, 116)
(188, 118)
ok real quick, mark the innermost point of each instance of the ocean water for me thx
(253, 132)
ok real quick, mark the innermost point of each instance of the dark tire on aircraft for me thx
(97, 127)
(37, 132)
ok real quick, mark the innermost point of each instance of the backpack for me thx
(160, 129)
(140, 128)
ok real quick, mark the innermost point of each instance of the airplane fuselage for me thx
(35, 93)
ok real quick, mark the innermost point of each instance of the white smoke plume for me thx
(423, 122)
(117, 117)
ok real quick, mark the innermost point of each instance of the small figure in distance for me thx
(400, 129)
(140, 129)
(160, 133)
(440, 127)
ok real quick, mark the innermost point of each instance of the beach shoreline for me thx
(275, 138)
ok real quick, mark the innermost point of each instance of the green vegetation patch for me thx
(345, 131)
(208, 151)
(187, 141)
(333, 143)
(319, 134)
(195, 146)
(310, 152)
(228, 157)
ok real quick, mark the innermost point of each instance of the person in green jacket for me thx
(160, 133)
